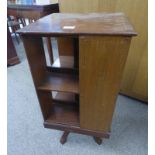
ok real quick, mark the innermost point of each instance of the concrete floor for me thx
(27, 136)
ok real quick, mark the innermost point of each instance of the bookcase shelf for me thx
(60, 82)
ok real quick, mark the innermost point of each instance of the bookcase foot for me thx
(64, 137)
(98, 140)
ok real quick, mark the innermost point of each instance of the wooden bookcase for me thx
(87, 83)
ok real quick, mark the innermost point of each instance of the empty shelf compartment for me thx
(64, 97)
(63, 114)
(64, 62)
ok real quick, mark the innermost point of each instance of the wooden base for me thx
(64, 137)
(98, 140)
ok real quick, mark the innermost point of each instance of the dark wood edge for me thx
(64, 102)
(75, 129)
(76, 52)
(62, 70)
(53, 8)
(13, 61)
(47, 90)
(33, 7)
(54, 34)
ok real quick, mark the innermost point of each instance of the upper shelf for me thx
(60, 82)
(80, 24)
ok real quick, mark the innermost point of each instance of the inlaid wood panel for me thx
(133, 83)
(102, 60)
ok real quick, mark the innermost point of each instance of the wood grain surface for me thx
(36, 58)
(102, 60)
(81, 24)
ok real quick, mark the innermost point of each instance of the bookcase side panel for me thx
(37, 63)
(101, 63)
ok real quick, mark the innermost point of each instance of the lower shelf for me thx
(66, 114)
(66, 118)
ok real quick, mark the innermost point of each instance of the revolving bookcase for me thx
(85, 83)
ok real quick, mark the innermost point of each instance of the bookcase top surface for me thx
(80, 24)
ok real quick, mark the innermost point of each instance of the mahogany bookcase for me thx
(87, 83)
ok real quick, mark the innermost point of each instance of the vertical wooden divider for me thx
(37, 62)
(76, 59)
(76, 52)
